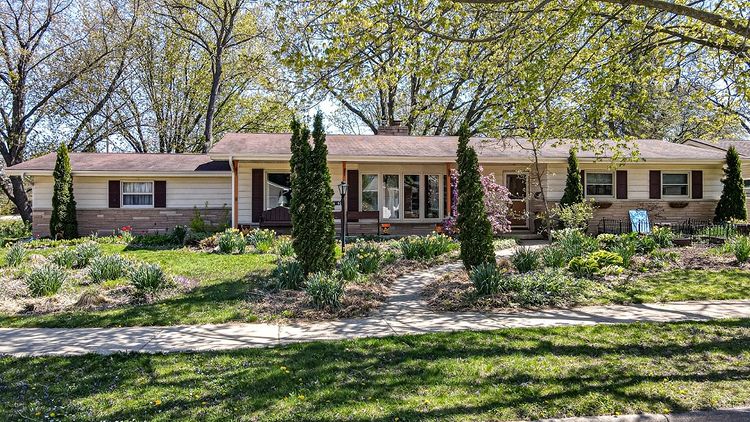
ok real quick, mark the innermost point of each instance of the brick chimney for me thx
(393, 130)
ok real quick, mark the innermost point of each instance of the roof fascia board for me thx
(12, 172)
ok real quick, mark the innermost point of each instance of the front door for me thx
(516, 184)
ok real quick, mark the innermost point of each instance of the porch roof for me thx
(441, 149)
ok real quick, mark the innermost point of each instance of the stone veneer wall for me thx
(142, 220)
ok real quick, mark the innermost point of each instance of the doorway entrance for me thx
(517, 185)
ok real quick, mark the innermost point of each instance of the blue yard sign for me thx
(639, 221)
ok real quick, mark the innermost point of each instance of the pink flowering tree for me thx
(496, 201)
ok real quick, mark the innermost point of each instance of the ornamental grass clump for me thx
(231, 242)
(15, 255)
(325, 291)
(109, 267)
(65, 258)
(741, 248)
(288, 275)
(525, 259)
(148, 278)
(85, 252)
(45, 280)
(486, 278)
(423, 248)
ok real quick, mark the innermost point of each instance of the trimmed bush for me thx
(45, 280)
(108, 267)
(284, 246)
(148, 278)
(553, 256)
(486, 278)
(87, 251)
(15, 255)
(741, 248)
(65, 257)
(289, 275)
(63, 223)
(231, 242)
(573, 193)
(423, 248)
(349, 269)
(731, 205)
(325, 291)
(525, 259)
(261, 239)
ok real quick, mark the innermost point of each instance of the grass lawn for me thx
(224, 283)
(682, 285)
(503, 375)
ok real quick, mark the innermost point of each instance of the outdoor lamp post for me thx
(343, 187)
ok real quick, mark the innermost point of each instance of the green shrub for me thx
(108, 267)
(486, 278)
(13, 229)
(626, 251)
(424, 248)
(575, 216)
(325, 290)
(85, 252)
(367, 255)
(553, 256)
(583, 266)
(548, 287)
(153, 239)
(15, 255)
(349, 269)
(65, 257)
(606, 240)
(289, 275)
(148, 278)
(179, 234)
(741, 248)
(231, 241)
(662, 236)
(261, 239)
(525, 259)
(604, 258)
(573, 242)
(46, 280)
(284, 246)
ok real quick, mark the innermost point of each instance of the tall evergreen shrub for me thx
(475, 230)
(63, 223)
(732, 202)
(573, 193)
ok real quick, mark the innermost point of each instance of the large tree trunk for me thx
(20, 199)
(208, 133)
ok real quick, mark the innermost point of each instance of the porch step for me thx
(525, 235)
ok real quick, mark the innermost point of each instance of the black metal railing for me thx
(692, 228)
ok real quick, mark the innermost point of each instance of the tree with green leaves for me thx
(474, 229)
(732, 202)
(573, 193)
(313, 230)
(63, 223)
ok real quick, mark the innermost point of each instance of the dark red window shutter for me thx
(114, 194)
(654, 184)
(583, 182)
(160, 194)
(697, 184)
(257, 195)
(352, 199)
(622, 184)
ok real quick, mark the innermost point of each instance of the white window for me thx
(138, 194)
(432, 196)
(369, 192)
(674, 184)
(391, 197)
(278, 190)
(411, 196)
(599, 184)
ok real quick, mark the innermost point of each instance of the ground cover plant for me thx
(511, 374)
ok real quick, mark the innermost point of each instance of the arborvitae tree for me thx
(732, 202)
(474, 229)
(311, 208)
(63, 223)
(573, 193)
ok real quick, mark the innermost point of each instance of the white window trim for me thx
(687, 195)
(422, 185)
(586, 184)
(122, 194)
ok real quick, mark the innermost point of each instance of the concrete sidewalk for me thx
(741, 414)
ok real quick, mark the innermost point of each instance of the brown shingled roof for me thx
(742, 146)
(443, 148)
(112, 163)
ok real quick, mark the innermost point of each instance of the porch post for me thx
(235, 194)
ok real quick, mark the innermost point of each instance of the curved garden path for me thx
(404, 313)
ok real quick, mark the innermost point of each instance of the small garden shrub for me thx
(662, 236)
(576, 215)
(741, 248)
(325, 291)
(607, 240)
(604, 258)
(349, 269)
(626, 251)
(179, 234)
(46, 280)
(85, 252)
(289, 275)
(65, 257)
(231, 242)
(148, 278)
(108, 267)
(13, 229)
(547, 287)
(525, 259)
(284, 246)
(15, 255)
(553, 256)
(574, 242)
(367, 255)
(486, 278)
(583, 266)
(423, 248)
(262, 239)
(154, 240)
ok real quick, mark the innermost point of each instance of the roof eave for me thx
(129, 173)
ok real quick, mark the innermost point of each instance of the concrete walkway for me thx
(404, 313)
(741, 414)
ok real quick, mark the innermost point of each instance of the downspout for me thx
(234, 193)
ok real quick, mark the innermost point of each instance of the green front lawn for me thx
(681, 285)
(221, 296)
(503, 375)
